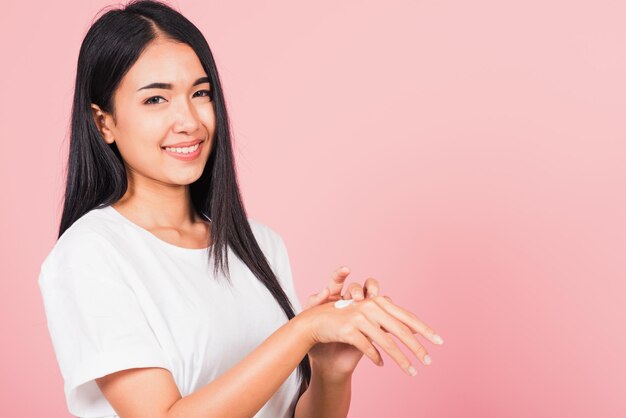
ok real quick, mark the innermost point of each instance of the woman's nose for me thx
(186, 118)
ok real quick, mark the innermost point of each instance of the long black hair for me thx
(96, 175)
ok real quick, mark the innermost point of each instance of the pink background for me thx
(468, 155)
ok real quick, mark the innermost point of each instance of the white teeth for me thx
(185, 150)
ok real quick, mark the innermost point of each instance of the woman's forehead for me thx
(164, 62)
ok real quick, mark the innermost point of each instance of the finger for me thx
(409, 319)
(364, 344)
(332, 298)
(392, 325)
(318, 298)
(372, 287)
(354, 291)
(386, 342)
(337, 279)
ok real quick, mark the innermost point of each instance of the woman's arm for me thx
(246, 387)
(327, 396)
(240, 392)
(330, 390)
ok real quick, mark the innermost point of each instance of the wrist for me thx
(303, 323)
(328, 375)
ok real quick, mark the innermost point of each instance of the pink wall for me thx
(468, 155)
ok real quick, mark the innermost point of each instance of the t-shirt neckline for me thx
(153, 237)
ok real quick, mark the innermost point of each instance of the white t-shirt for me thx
(118, 297)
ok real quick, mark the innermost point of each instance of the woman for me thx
(163, 298)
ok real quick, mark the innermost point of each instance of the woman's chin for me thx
(185, 179)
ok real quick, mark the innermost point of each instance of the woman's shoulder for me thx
(270, 241)
(265, 234)
(95, 225)
(89, 239)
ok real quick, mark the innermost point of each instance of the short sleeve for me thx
(95, 321)
(283, 270)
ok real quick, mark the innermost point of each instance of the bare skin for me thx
(246, 387)
(158, 200)
(193, 236)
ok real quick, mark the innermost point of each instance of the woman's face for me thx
(162, 101)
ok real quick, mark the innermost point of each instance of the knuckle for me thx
(380, 299)
(406, 331)
(370, 303)
(367, 306)
(421, 351)
(418, 348)
(346, 329)
(387, 343)
(360, 319)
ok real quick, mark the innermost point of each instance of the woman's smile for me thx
(185, 153)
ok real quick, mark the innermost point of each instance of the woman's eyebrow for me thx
(168, 86)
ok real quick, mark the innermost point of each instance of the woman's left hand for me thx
(338, 360)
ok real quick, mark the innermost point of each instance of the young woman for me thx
(163, 298)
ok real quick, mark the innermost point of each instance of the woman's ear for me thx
(102, 120)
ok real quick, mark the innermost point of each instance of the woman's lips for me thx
(185, 157)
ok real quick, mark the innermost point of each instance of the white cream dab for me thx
(342, 303)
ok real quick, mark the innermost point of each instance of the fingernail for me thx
(427, 360)
(411, 370)
(437, 339)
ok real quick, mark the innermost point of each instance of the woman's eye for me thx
(208, 93)
(149, 101)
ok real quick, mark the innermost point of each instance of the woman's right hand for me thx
(371, 320)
